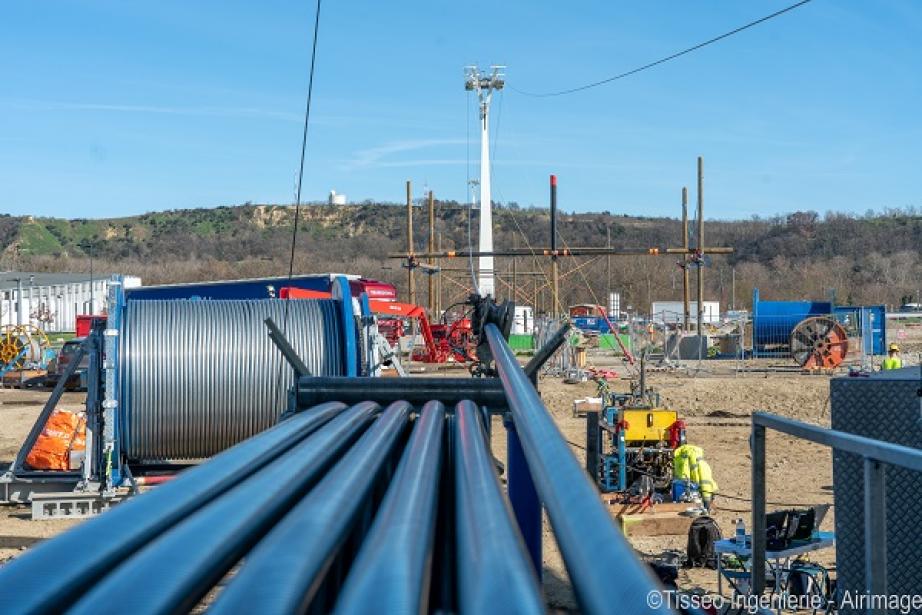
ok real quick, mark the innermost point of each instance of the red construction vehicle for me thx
(441, 341)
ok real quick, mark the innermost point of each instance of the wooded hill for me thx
(863, 259)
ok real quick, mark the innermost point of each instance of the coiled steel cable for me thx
(201, 376)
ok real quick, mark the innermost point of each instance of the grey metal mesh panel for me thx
(884, 407)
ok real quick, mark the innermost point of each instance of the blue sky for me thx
(114, 108)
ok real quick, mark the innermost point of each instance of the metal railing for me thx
(876, 455)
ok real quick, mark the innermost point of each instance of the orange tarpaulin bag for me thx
(64, 433)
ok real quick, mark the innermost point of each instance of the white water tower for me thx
(336, 199)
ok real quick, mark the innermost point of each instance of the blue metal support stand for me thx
(522, 494)
(114, 405)
(867, 339)
(343, 293)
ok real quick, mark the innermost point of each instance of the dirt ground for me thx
(716, 402)
(908, 334)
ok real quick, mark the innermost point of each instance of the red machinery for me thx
(441, 341)
(456, 340)
(85, 323)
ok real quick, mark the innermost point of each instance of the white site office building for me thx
(51, 301)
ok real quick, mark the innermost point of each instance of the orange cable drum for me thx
(819, 342)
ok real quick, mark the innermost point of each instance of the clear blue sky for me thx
(113, 108)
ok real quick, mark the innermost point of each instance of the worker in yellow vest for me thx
(893, 360)
(684, 458)
(707, 486)
(690, 466)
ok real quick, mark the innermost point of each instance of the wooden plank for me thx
(15, 376)
(655, 524)
(586, 404)
(619, 508)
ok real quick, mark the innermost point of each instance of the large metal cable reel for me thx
(22, 344)
(819, 342)
(201, 376)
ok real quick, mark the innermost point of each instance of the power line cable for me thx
(307, 117)
(499, 117)
(499, 191)
(468, 191)
(595, 299)
(634, 71)
(534, 254)
(467, 108)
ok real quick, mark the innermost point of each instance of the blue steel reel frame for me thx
(115, 411)
(367, 320)
(343, 293)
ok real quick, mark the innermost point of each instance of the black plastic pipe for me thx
(443, 594)
(174, 571)
(392, 571)
(495, 574)
(291, 355)
(285, 570)
(101, 543)
(482, 391)
(602, 577)
(526, 506)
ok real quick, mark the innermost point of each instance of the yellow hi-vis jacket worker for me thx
(893, 360)
(689, 464)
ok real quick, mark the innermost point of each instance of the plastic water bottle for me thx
(740, 532)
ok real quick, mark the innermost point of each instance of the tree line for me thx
(868, 259)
